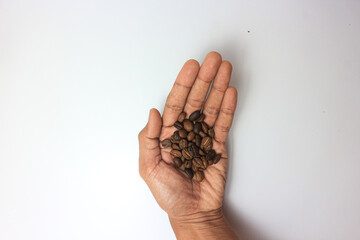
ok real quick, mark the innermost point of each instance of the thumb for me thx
(149, 149)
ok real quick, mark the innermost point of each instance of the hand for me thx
(181, 198)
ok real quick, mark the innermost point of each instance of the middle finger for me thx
(202, 83)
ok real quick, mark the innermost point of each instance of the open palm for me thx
(174, 192)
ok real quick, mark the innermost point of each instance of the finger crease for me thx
(195, 103)
(218, 89)
(174, 107)
(182, 85)
(218, 141)
(203, 80)
(211, 110)
(227, 111)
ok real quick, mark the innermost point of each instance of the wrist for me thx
(202, 225)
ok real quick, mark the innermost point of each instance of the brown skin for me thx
(194, 209)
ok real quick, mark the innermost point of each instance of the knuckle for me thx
(227, 111)
(195, 103)
(212, 110)
(223, 128)
(174, 107)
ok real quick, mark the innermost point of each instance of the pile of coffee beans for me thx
(191, 145)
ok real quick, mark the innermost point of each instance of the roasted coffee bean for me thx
(202, 134)
(198, 163)
(217, 158)
(190, 136)
(205, 162)
(166, 143)
(193, 150)
(194, 116)
(186, 154)
(201, 152)
(211, 155)
(201, 118)
(206, 144)
(178, 125)
(175, 146)
(177, 136)
(188, 125)
(175, 153)
(198, 140)
(199, 176)
(191, 145)
(181, 117)
(211, 132)
(177, 162)
(173, 140)
(183, 144)
(183, 133)
(197, 128)
(187, 164)
(204, 127)
(189, 173)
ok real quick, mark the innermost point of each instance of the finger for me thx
(176, 100)
(226, 114)
(202, 83)
(149, 150)
(217, 92)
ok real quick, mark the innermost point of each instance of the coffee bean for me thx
(178, 125)
(204, 127)
(202, 134)
(175, 153)
(183, 144)
(217, 158)
(177, 136)
(187, 164)
(198, 140)
(211, 132)
(188, 125)
(205, 162)
(201, 152)
(190, 136)
(177, 162)
(166, 143)
(186, 154)
(211, 155)
(206, 144)
(181, 117)
(201, 118)
(193, 150)
(191, 145)
(173, 140)
(197, 128)
(175, 146)
(183, 133)
(189, 173)
(198, 162)
(194, 116)
(199, 176)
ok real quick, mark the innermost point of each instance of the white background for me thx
(77, 79)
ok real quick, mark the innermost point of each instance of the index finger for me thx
(175, 102)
